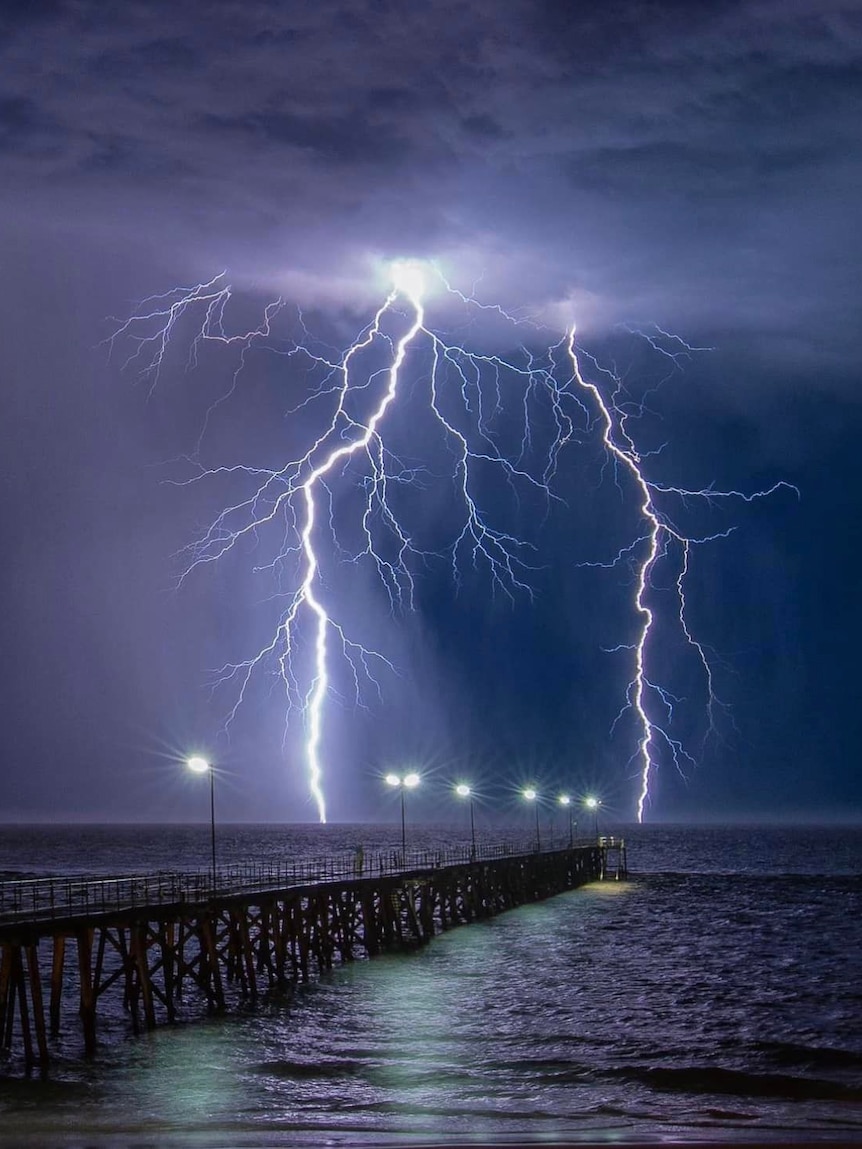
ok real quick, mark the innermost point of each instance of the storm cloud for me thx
(692, 165)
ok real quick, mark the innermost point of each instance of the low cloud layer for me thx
(696, 165)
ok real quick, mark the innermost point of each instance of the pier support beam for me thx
(87, 1006)
(57, 961)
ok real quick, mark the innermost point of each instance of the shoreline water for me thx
(704, 1001)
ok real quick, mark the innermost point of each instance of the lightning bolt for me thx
(468, 397)
(659, 539)
(294, 495)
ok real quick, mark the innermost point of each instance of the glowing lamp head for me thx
(564, 800)
(592, 803)
(392, 780)
(409, 276)
(462, 790)
(411, 781)
(198, 765)
(530, 794)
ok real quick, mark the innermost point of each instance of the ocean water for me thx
(716, 995)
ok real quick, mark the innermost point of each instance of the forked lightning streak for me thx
(468, 395)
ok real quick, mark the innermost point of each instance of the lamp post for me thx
(566, 802)
(200, 766)
(464, 791)
(593, 804)
(531, 796)
(407, 782)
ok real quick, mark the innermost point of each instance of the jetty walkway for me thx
(166, 944)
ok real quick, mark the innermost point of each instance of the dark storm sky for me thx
(694, 165)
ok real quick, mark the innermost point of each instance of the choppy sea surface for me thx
(716, 995)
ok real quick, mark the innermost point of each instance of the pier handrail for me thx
(40, 899)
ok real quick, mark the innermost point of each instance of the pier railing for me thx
(39, 899)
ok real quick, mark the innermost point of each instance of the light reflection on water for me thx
(713, 1004)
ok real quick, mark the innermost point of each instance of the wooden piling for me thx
(167, 933)
(144, 986)
(57, 961)
(6, 997)
(23, 1013)
(87, 1006)
(38, 1006)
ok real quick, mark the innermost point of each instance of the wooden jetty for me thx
(170, 943)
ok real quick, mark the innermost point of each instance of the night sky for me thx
(692, 166)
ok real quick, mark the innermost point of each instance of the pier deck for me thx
(170, 943)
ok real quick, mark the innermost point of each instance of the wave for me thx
(826, 1057)
(734, 1082)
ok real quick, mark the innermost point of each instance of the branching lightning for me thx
(467, 394)
(660, 535)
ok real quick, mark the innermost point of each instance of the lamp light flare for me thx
(564, 800)
(406, 781)
(464, 791)
(531, 795)
(200, 765)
